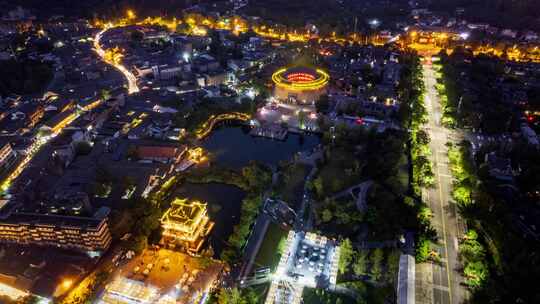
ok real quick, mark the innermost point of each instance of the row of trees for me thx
(472, 251)
(412, 92)
(495, 271)
(463, 171)
(413, 116)
(370, 264)
(342, 213)
(473, 254)
(235, 296)
(86, 291)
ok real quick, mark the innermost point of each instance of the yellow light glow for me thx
(67, 283)
(318, 83)
(131, 14)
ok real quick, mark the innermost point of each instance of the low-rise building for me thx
(69, 232)
(499, 167)
(529, 135)
(7, 155)
(214, 78)
(163, 154)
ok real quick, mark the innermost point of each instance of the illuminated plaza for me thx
(311, 260)
(162, 276)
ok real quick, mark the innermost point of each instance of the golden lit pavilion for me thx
(186, 224)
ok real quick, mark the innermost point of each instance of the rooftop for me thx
(184, 214)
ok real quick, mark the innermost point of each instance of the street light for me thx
(186, 56)
(251, 93)
(67, 283)
(464, 35)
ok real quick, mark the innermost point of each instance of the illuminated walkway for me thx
(131, 79)
(207, 127)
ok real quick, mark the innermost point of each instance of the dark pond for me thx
(233, 147)
(224, 203)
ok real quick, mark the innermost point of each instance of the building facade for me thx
(7, 155)
(300, 84)
(186, 224)
(68, 232)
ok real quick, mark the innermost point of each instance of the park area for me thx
(338, 162)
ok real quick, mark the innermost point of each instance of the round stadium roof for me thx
(300, 78)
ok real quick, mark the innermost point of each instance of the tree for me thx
(44, 131)
(376, 258)
(360, 263)
(475, 273)
(318, 185)
(323, 104)
(301, 119)
(230, 296)
(105, 94)
(392, 265)
(138, 244)
(345, 256)
(236, 296)
(422, 250)
(326, 216)
(256, 176)
(27, 300)
(183, 28)
(282, 245)
(422, 137)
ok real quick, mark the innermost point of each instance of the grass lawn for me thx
(268, 255)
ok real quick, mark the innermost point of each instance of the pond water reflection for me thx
(233, 147)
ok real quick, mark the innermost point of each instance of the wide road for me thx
(446, 277)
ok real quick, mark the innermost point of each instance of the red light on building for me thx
(359, 121)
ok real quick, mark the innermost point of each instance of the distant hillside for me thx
(329, 15)
(91, 8)
(518, 14)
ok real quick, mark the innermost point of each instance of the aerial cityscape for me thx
(269, 151)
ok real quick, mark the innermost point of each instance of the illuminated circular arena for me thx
(301, 84)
